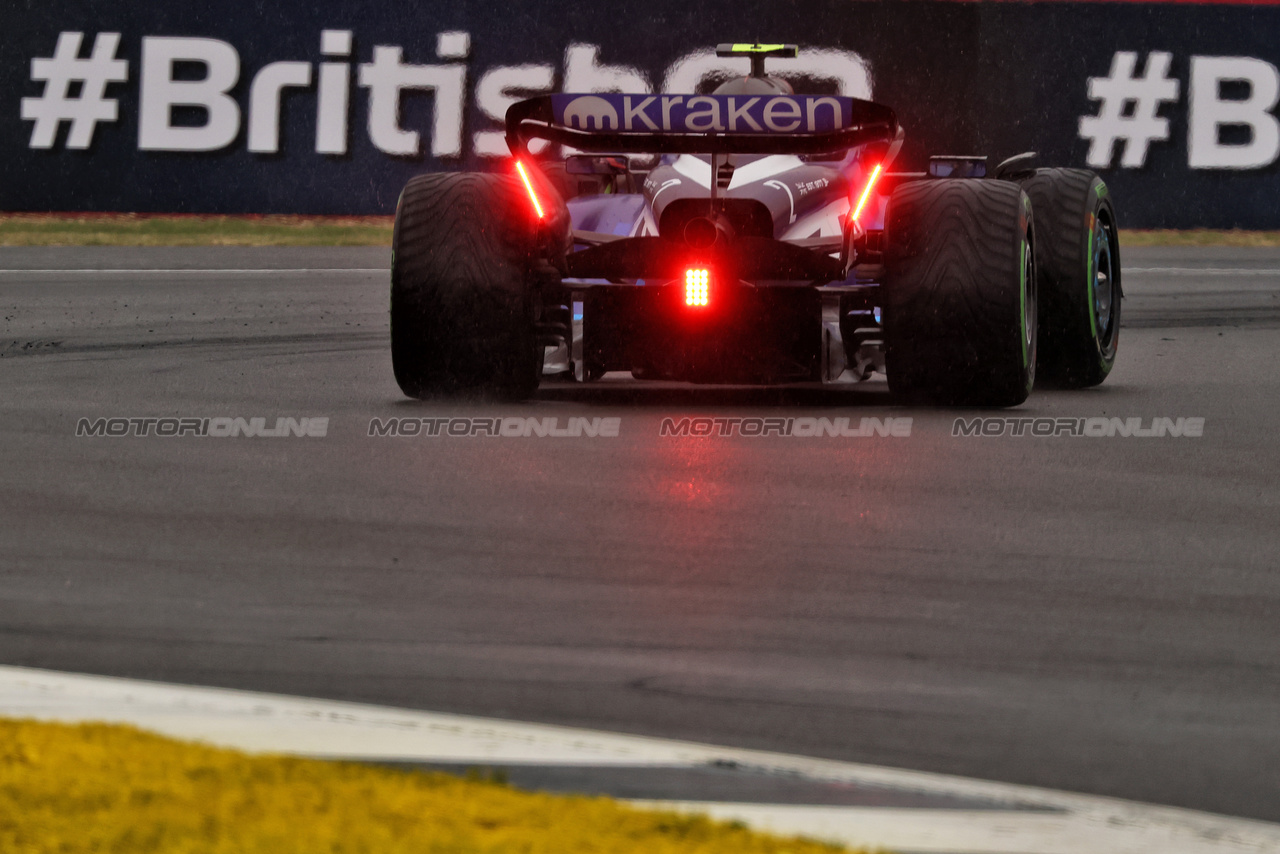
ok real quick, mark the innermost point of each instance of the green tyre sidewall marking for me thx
(1091, 274)
(1022, 299)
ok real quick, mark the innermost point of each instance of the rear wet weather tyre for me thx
(1078, 263)
(462, 307)
(960, 303)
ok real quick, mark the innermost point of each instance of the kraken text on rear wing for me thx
(699, 124)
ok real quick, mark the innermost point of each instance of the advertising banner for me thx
(328, 108)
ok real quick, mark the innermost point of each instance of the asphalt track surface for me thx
(1092, 614)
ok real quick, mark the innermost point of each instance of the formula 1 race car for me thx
(766, 240)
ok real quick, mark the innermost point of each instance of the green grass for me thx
(100, 788)
(38, 229)
(192, 230)
(1198, 237)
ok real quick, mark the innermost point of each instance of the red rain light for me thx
(696, 287)
(866, 194)
(528, 186)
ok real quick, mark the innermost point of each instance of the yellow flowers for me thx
(106, 788)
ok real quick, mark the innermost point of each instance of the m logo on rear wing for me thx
(688, 114)
(709, 124)
(587, 112)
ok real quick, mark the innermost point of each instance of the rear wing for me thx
(699, 124)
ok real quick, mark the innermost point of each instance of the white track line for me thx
(968, 831)
(269, 722)
(1163, 271)
(203, 271)
(1204, 271)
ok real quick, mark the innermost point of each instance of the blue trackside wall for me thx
(1172, 102)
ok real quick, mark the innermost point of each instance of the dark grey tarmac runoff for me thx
(1098, 614)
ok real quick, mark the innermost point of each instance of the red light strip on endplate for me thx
(866, 193)
(528, 186)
